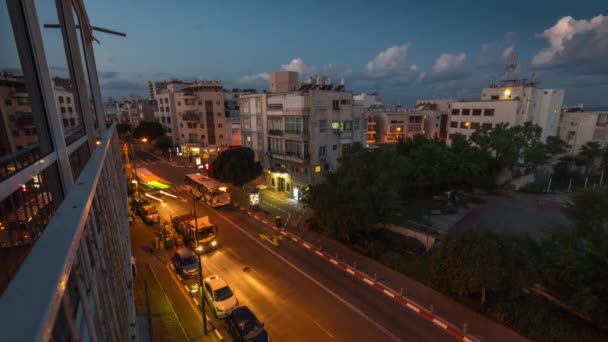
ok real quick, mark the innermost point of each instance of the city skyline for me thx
(401, 51)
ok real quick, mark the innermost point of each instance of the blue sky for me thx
(405, 50)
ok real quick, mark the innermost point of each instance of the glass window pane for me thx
(64, 86)
(20, 143)
(86, 70)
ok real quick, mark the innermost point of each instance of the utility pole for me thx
(200, 264)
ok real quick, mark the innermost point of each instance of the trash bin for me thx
(277, 221)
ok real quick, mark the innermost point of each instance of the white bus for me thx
(214, 193)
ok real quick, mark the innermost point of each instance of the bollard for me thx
(465, 328)
(401, 292)
(432, 309)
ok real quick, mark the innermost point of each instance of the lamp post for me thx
(199, 249)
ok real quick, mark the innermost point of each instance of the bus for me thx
(214, 193)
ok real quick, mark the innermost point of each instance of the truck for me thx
(206, 235)
(145, 210)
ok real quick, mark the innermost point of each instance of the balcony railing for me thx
(278, 132)
(191, 116)
(297, 111)
(80, 268)
(293, 157)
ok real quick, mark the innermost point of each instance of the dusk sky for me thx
(404, 50)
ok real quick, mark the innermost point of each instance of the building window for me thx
(200, 103)
(189, 125)
(296, 125)
(166, 100)
(73, 122)
(179, 103)
(68, 100)
(60, 99)
(162, 119)
(322, 125)
(488, 112)
(466, 112)
(474, 125)
(168, 119)
(336, 104)
(335, 147)
(465, 124)
(356, 124)
(217, 103)
(454, 124)
(221, 136)
(181, 125)
(189, 102)
(455, 111)
(220, 115)
(276, 107)
(203, 137)
(476, 112)
(220, 125)
(70, 110)
(495, 97)
(322, 151)
(65, 122)
(194, 125)
(8, 102)
(347, 125)
(62, 110)
(486, 125)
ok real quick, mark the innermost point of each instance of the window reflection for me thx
(63, 85)
(85, 65)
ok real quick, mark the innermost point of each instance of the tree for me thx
(163, 143)
(237, 166)
(470, 263)
(149, 130)
(588, 154)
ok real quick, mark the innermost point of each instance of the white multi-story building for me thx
(192, 114)
(232, 105)
(132, 111)
(514, 102)
(578, 127)
(392, 125)
(299, 135)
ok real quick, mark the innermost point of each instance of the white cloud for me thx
(253, 80)
(508, 51)
(390, 62)
(296, 64)
(580, 44)
(449, 63)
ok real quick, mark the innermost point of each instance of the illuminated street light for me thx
(144, 140)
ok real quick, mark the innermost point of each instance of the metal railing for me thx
(76, 282)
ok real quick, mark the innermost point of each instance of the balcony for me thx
(277, 132)
(191, 116)
(292, 157)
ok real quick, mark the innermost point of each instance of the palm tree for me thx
(588, 153)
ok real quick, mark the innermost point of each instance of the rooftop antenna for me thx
(511, 65)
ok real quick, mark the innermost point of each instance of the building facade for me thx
(299, 135)
(192, 114)
(514, 102)
(397, 124)
(368, 100)
(578, 127)
(232, 105)
(65, 256)
(130, 111)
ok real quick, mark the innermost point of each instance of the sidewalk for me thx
(436, 303)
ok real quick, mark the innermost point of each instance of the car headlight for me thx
(213, 243)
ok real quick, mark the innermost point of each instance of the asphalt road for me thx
(299, 297)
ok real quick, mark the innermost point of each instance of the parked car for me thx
(219, 295)
(185, 263)
(242, 325)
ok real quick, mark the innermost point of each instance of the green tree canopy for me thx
(237, 166)
(163, 143)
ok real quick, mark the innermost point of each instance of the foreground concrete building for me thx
(298, 135)
(65, 255)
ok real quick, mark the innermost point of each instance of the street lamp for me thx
(199, 250)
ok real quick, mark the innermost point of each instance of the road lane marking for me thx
(333, 261)
(350, 271)
(319, 253)
(318, 325)
(234, 253)
(219, 336)
(312, 279)
(368, 281)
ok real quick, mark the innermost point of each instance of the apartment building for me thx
(131, 111)
(578, 126)
(192, 114)
(65, 256)
(298, 135)
(392, 125)
(514, 102)
(232, 105)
